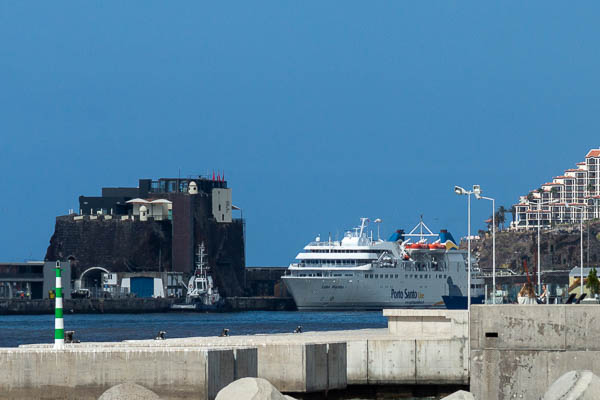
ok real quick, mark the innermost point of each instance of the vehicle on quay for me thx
(419, 269)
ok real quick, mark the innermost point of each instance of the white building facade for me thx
(568, 198)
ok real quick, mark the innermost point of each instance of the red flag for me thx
(213, 174)
(223, 176)
(218, 177)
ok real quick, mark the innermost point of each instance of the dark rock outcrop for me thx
(119, 246)
(559, 248)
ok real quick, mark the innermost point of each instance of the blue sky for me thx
(318, 112)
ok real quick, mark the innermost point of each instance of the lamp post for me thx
(581, 209)
(539, 258)
(461, 191)
(479, 196)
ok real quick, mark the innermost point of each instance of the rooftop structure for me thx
(567, 198)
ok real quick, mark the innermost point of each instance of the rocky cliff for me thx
(559, 248)
(119, 246)
(136, 246)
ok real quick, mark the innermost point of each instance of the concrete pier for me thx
(420, 347)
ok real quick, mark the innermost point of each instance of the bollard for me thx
(59, 324)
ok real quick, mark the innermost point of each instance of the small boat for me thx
(202, 294)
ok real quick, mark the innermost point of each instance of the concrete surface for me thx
(460, 395)
(128, 391)
(518, 351)
(85, 373)
(251, 389)
(575, 385)
(428, 324)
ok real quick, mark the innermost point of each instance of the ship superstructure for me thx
(359, 272)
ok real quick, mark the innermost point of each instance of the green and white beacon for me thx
(59, 323)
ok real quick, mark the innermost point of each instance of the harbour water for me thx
(27, 329)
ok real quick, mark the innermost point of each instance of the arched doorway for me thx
(91, 279)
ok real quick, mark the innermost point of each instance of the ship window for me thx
(421, 276)
(386, 276)
(406, 276)
(396, 276)
(376, 276)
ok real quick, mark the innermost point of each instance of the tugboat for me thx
(202, 294)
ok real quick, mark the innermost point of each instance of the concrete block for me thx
(357, 356)
(561, 362)
(172, 373)
(460, 395)
(128, 391)
(246, 363)
(391, 361)
(581, 385)
(250, 389)
(582, 323)
(220, 371)
(283, 365)
(419, 324)
(316, 368)
(337, 366)
(294, 367)
(525, 327)
(442, 361)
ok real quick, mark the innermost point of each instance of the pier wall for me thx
(518, 351)
(136, 305)
(85, 306)
(85, 373)
(422, 347)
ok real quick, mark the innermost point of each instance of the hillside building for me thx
(568, 198)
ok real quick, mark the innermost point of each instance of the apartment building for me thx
(568, 198)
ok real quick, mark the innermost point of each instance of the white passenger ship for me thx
(360, 273)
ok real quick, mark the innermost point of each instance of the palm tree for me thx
(592, 282)
(499, 219)
(501, 216)
(513, 212)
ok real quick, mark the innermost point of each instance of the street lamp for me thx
(539, 259)
(479, 196)
(461, 191)
(581, 209)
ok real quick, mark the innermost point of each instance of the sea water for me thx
(27, 329)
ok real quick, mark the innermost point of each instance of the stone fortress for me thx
(152, 232)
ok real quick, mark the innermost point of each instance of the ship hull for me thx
(460, 302)
(325, 294)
